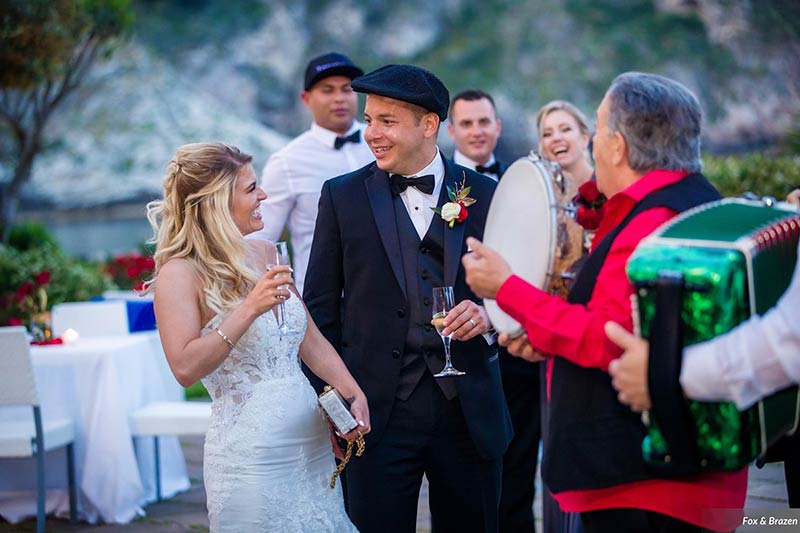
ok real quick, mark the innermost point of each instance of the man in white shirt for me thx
(475, 128)
(334, 145)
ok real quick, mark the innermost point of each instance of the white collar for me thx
(435, 167)
(464, 161)
(328, 137)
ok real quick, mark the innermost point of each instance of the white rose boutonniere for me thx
(456, 209)
(450, 211)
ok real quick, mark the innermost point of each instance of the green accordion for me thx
(732, 259)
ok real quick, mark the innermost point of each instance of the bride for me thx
(267, 458)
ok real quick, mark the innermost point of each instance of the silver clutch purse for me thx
(338, 410)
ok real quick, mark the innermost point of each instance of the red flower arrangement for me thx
(589, 202)
(130, 270)
(27, 305)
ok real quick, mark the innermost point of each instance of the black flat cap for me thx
(409, 84)
(327, 65)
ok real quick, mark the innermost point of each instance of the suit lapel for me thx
(380, 200)
(453, 237)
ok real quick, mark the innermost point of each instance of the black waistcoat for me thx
(594, 441)
(423, 266)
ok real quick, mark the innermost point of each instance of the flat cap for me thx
(407, 83)
(327, 65)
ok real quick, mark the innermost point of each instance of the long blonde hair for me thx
(194, 221)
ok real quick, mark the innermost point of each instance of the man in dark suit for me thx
(475, 128)
(378, 251)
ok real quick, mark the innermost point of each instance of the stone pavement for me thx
(187, 511)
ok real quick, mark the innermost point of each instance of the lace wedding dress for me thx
(268, 458)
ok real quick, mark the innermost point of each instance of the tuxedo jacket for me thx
(355, 291)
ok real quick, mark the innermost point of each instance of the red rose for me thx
(589, 218)
(463, 214)
(589, 192)
(24, 290)
(133, 271)
(139, 286)
(14, 321)
(42, 278)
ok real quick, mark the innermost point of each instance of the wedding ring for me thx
(474, 324)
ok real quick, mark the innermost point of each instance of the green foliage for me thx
(38, 37)
(30, 235)
(757, 173)
(72, 280)
(791, 144)
(196, 390)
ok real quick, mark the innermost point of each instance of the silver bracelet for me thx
(226, 339)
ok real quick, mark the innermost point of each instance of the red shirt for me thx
(575, 332)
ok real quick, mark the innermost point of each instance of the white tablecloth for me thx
(98, 382)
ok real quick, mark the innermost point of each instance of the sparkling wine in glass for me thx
(443, 302)
(281, 258)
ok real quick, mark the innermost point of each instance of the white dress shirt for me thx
(293, 179)
(420, 205)
(464, 161)
(753, 360)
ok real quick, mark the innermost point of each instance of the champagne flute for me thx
(443, 302)
(281, 258)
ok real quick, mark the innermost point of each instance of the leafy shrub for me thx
(757, 173)
(29, 235)
(71, 280)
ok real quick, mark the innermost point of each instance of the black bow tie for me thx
(494, 168)
(398, 183)
(354, 137)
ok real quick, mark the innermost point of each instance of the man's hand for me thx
(466, 320)
(520, 347)
(794, 197)
(629, 372)
(486, 270)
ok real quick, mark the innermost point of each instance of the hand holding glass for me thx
(443, 302)
(281, 258)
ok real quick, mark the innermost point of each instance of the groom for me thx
(378, 251)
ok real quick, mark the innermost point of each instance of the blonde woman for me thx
(564, 138)
(267, 457)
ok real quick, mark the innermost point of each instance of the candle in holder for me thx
(70, 336)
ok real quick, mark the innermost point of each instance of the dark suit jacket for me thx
(355, 291)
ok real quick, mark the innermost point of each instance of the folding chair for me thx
(91, 319)
(169, 418)
(35, 437)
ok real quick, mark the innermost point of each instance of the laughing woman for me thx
(564, 138)
(267, 456)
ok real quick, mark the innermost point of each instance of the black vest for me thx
(593, 440)
(423, 266)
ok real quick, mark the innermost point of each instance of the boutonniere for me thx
(456, 209)
(589, 203)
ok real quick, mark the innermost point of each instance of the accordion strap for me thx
(669, 406)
